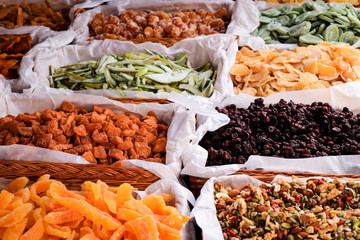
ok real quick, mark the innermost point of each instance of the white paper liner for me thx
(194, 157)
(204, 210)
(81, 23)
(178, 119)
(249, 24)
(219, 50)
(182, 199)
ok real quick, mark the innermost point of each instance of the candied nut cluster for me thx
(316, 209)
(100, 136)
(23, 14)
(159, 24)
(284, 129)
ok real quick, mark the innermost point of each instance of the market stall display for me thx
(116, 93)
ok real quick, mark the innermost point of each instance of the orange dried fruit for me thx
(36, 232)
(167, 233)
(126, 214)
(143, 228)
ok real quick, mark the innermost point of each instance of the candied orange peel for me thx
(263, 72)
(46, 209)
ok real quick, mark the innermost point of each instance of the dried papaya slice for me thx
(118, 234)
(5, 198)
(17, 184)
(143, 228)
(124, 193)
(16, 215)
(167, 233)
(155, 203)
(173, 221)
(110, 201)
(38, 187)
(127, 214)
(59, 231)
(15, 231)
(24, 194)
(89, 237)
(62, 217)
(138, 207)
(63, 196)
(36, 232)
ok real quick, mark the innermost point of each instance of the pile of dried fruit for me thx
(159, 24)
(17, 15)
(283, 130)
(310, 23)
(100, 136)
(12, 49)
(317, 209)
(47, 210)
(263, 72)
(137, 71)
(352, 2)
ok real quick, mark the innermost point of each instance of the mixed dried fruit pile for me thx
(46, 209)
(159, 24)
(284, 129)
(12, 49)
(23, 14)
(263, 72)
(310, 23)
(100, 136)
(316, 209)
(137, 71)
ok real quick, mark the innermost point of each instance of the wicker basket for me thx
(196, 183)
(73, 175)
(168, 42)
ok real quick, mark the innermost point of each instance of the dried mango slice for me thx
(118, 234)
(62, 217)
(127, 214)
(110, 201)
(15, 231)
(155, 203)
(36, 232)
(143, 228)
(167, 233)
(23, 194)
(17, 184)
(173, 221)
(138, 207)
(58, 231)
(124, 193)
(16, 215)
(5, 198)
(61, 195)
(38, 187)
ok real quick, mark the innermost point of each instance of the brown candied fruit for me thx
(153, 21)
(201, 13)
(109, 28)
(221, 13)
(175, 32)
(177, 21)
(158, 32)
(217, 23)
(141, 21)
(149, 32)
(132, 26)
(113, 20)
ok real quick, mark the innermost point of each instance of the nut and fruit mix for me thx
(137, 71)
(263, 72)
(159, 24)
(46, 209)
(12, 49)
(23, 14)
(100, 136)
(310, 23)
(284, 129)
(315, 209)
